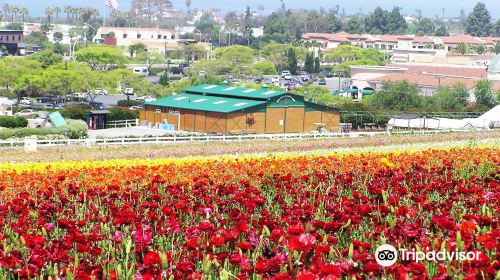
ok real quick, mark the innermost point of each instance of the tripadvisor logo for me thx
(387, 255)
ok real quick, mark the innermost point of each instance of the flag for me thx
(112, 4)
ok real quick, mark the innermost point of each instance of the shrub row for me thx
(75, 129)
(13, 122)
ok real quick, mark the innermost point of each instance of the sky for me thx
(430, 8)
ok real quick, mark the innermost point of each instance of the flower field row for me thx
(274, 217)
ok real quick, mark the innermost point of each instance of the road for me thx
(333, 83)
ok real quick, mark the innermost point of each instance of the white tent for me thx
(490, 119)
(6, 106)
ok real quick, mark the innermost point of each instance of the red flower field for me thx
(294, 217)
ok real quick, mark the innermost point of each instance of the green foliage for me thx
(136, 49)
(479, 21)
(441, 29)
(75, 111)
(14, 26)
(381, 21)
(164, 80)
(101, 57)
(345, 53)
(13, 122)
(309, 63)
(396, 96)
(355, 25)
(447, 98)
(463, 48)
(118, 114)
(425, 26)
(213, 67)
(292, 61)
(236, 54)
(480, 49)
(496, 48)
(317, 65)
(75, 129)
(129, 103)
(37, 39)
(261, 68)
(484, 93)
(47, 58)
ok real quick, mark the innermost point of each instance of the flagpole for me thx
(104, 20)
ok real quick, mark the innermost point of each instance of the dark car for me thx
(322, 82)
(98, 105)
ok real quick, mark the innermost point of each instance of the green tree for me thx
(441, 29)
(463, 48)
(58, 36)
(397, 96)
(101, 57)
(309, 63)
(480, 49)
(317, 65)
(150, 58)
(448, 98)
(14, 26)
(497, 28)
(425, 26)
(164, 79)
(292, 61)
(333, 22)
(261, 68)
(275, 53)
(484, 93)
(47, 58)
(377, 22)
(236, 54)
(479, 21)
(495, 48)
(397, 23)
(136, 49)
(354, 25)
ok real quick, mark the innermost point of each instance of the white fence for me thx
(124, 123)
(208, 138)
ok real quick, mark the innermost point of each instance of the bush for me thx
(75, 111)
(125, 103)
(75, 129)
(118, 114)
(13, 122)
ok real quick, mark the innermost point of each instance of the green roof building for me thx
(225, 109)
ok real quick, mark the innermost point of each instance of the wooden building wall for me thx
(273, 120)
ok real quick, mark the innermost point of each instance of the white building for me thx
(129, 36)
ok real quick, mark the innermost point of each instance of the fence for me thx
(207, 138)
(122, 123)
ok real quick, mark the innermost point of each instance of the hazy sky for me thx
(430, 8)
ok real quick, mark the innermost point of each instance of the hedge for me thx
(75, 129)
(13, 122)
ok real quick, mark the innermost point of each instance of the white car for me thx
(26, 113)
(285, 73)
(149, 99)
(275, 79)
(100, 91)
(25, 101)
(136, 108)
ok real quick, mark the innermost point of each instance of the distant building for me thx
(12, 41)
(161, 40)
(428, 78)
(257, 32)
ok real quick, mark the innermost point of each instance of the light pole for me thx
(339, 74)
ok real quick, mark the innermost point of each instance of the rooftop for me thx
(205, 103)
(235, 92)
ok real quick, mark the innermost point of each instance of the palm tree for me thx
(480, 49)
(13, 11)
(49, 12)
(6, 10)
(188, 5)
(57, 10)
(496, 48)
(24, 12)
(462, 48)
(67, 11)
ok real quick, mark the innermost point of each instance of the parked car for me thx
(98, 105)
(136, 108)
(52, 106)
(25, 101)
(328, 74)
(141, 71)
(149, 98)
(101, 91)
(275, 79)
(322, 82)
(26, 113)
(285, 73)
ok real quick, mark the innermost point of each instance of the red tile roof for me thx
(462, 39)
(427, 80)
